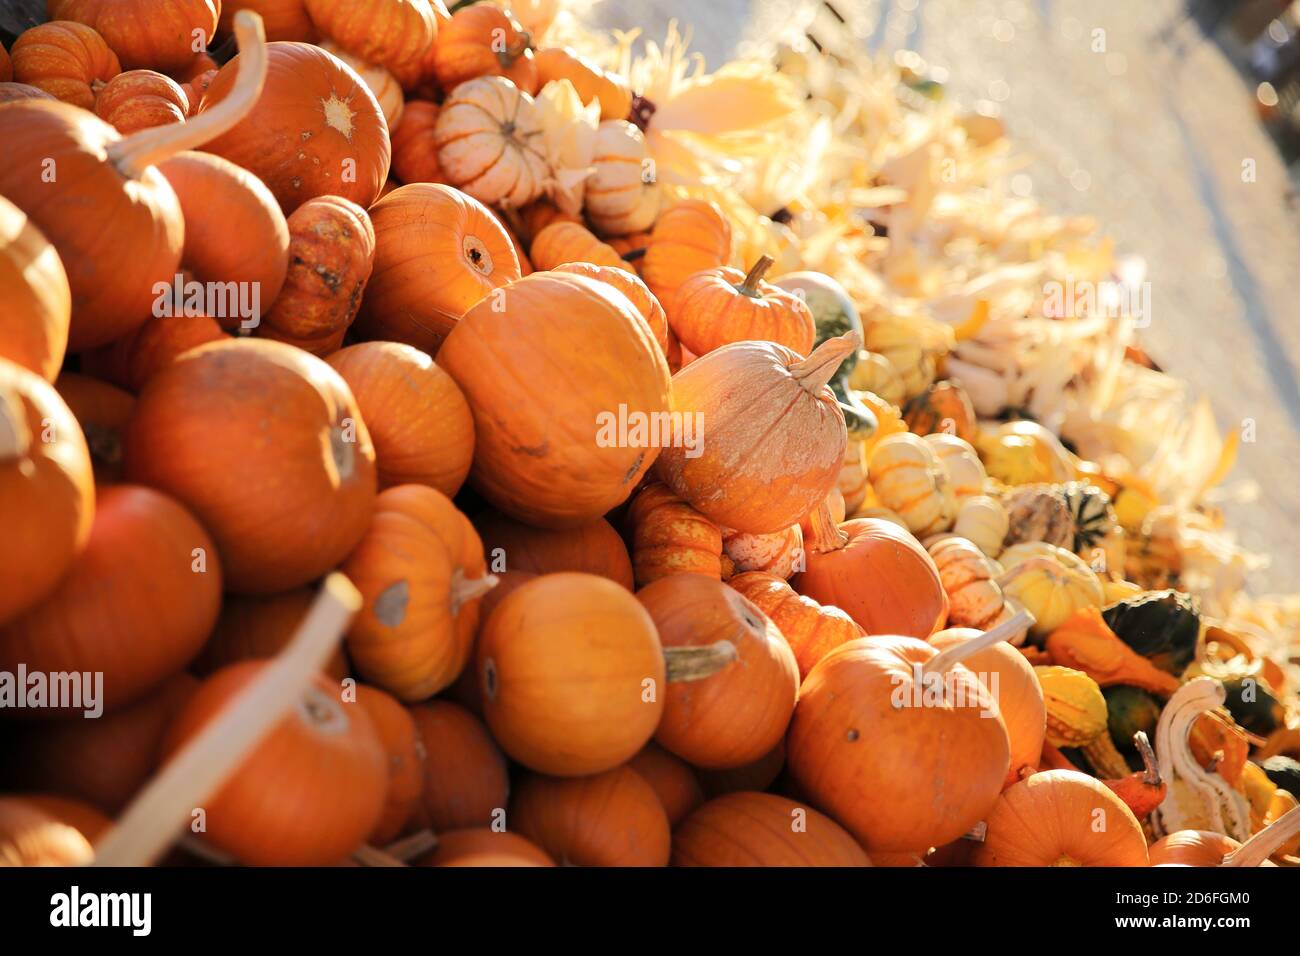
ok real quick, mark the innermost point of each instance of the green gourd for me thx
(1128, 710)
(1162, 626)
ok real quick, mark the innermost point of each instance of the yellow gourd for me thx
(908, 479)
(889, 421)
(970, 581)
(1051, 582)
(1076, 708)
(895, 338)
(983, 520)
(1023, 453)
(960, 463)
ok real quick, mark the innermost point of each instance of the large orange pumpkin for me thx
(252, 628)
(465, 782)
(301, 496)
(812, 630)
(102, 412)
(490, 142)
(404, 751)
(68, 60)
(723, 305)
(386, 32)
(438, 252)
(611, 408)
(593, 548)
(35, 302)
(136, 357)
(687, 238)
(762, 829)
(671, 778)
(483, 40)
(143, 34)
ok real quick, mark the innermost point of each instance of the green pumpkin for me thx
(1094, 518)
(1128, 710)
(1162, 626)
(1253, 705)
(1284, 772)
(831, 305)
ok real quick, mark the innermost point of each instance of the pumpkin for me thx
(420, 571)
(129, 362)
(874, 373)
(608, 819)
(483, 41)
(535, 16)
(30, 836)
(35, 302)
(943, 408)
(719, 306)
(68, 60)
(753, 777)
(537, 215)
(489, 140)
(461, 847)
(82, 817)
(302, 497)
(382, 32)
(637, 293)
(762, 829)
(908, 478)
(11, 92)
(1162, 626)
(780, 553)
(252, 628)
(671, 778)
(247, 244)
(1014, 684)
(970, 581)
(46, 493)
(740, 712)
(888, 421)
(669, 536)
(1061, 818)
(312, 789)
(882, 719)
(403, 750)
(961, 464)
(831, 306)
(196, 89)
(564, 242)
(593, 548)
(139, 99)
(621, 195)
(1050, 582)
(142, 35)
(590, 81)
(776, 435)
(437, 253)
(102, 412)
(877, 573)
(983, 521)
(812, 630)
(417, 417)
(283, 19)
(1205, 848)
(465, 782)
(525, 266)
(616, 397)
(1024, 452)
(572, 674)
(314, 131)
(331, 254)
(415, 152)
(687, 238)
(631, 247)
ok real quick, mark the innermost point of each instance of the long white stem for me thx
(944, 661)
(1266, 842)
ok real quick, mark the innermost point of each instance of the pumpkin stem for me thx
(198, 770)
(464, 590)
(510, 54)
(944, 661)
(755, 275)
(1151, 775)
(816, 371)
(15, 437)
(1266, 842)
(135, 154)
(697, 663)
(826, 534)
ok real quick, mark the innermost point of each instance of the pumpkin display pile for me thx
(463, 438)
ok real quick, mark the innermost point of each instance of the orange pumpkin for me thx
(593, 548)
(591, 82)
(689, 237)
(382, 83)
(437, 253)
(415, 150)
(68, 60)
(621, 195)
(539, 214)
(29, 836)
(669, 536)
(562, 242)
(384, 32)
(489, 139)
(420, 571)
(457, 847)
(1207, 848)
(403, 748)
(525, 266)
(738, 713)
(943, 408)
(671, 778)
(812, 630)
(283, 19)
(196, 88)
(82, 817)
(129, 362)
(47, 498)
(314, 131)
(137, 603)
(143, 35)
(102, 411)
(609, 819)
(252, 628)
(636, 291)
(465, 783)
(301, 499)
(140, 99)
(563, 664)
(35, 302)
(482, 40)
(522, 464)
(719, 306)
(762, 829)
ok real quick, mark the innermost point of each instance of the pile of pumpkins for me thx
(658, 564)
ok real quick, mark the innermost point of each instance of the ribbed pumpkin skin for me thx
(35, 301)
(569, 242)
(760, 829)
(593, 548)
(140, 99)
(711, 310)
(482, 40)
(671, 778)
(135, 603)
(1192, 848)
(309, 793)
(812, 630)
(102, 411)
(465, 782)
(143, 34)
(403, 749)
(779, 553)
(260, 627)
(620, 196)
(282, 19)
(415, 150)
(67, 60)
(302, 497)
(455, 847)
(490, 142)
(385, 32)
(687, 238)
(129, 362)
(609, 819)
(669, 536)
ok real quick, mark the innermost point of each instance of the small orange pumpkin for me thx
(591, 82)
(415, 149)
(383, 32)
(282, 19)
(403, 748)
(459, 847)
(68, 60)
(140, 99)
(671, 778)
(102, 411)
(465, 782)
(689, 237)
(762, 829)
(636, 291)
(489, 139)
(719, 306)
(129, 362)
(593, 548)
(252, 628)
(812, 630)
(570, 242)
(669, 537)
(482, 40)
(142, 34)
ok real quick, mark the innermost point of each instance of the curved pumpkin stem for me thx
(15, 437)
(1266, 842)
(755, 275)
(945, 661)
(816, 371)
(697, 663)
(1151, 775)
(464, 590)
(136, 153)
(826, 534)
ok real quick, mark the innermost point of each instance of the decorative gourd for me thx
(140, 99)
(309, 793)
(15, 92)
(331, 254)
(1219, 745)
(1052, 819)
(464, 847)
(894, 337)
(812, 630)
(637, 293)
(970, 581)
(438, 252)
(522, 464)
(862, 758)
(102, 412)
(831, 305)
(117, 177)
(1284, 772)
(68, 60)
(762, 829)
(876, 572)
(569, 242)
(874, 373)
(563, 664)
(908, 478)
(418, 419)
(143, 35)
(312, 465)
(1143, 791)
(284, 19)
(247, 244)
(415, 150)
(489, 139)
(780, 553)
(1038, 513)
(30, 836)
(483, 41)
(405, 764)
(252, 628)
(671, 778)
(1162, 626)
(852, 479)
(1085, 643)
(314, 131)
(593, 548)
(621, 195)
(1023, 453)
(775, 433)
(136, 357)
(942, 408)
(589, 80)
(1050, 582)
(961, 464)
(383, 32)
(689, 237)
(669, 536)
(983, 521)
(720, 306)
(465, 781)
(35, 302)
(738, 713)
(1014, 685)
(420, 571)
(1129, 711)
(612, 818)
(388, 92)
(137, 602)
(888, 421)
(1076, 709)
